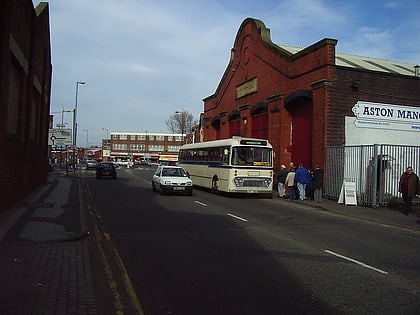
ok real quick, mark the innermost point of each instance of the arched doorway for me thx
(299, 104)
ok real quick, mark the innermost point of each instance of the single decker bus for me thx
(234, 165)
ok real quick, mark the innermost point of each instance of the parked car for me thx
(106, 169)
(172, 179)
(91, 164)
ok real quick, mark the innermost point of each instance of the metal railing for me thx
(376, 170)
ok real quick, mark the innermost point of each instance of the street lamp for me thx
(106, 132)
(74, 159)
(87, 137)
(182, 124)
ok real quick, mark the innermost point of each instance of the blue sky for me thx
(144, 60)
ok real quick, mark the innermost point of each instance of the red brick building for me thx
(298, 98)
(25, 89)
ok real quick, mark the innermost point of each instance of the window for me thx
(114, 137)
(137, 147)
(260, 126)
(132, 137)
(13, 103)
(160, 138)
(141, 137)
(119, 146)
(173, 148)
(170, 138)
(156, 148)
(151, 138)
(234, 128)
(123, 137)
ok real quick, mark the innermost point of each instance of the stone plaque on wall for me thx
(246, 88)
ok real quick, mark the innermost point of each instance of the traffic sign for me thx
(59, 137)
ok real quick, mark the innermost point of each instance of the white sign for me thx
(59, 137)
(348, 194)
(386, 116)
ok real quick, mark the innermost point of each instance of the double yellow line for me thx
(109, 257)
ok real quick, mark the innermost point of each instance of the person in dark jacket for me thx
(317, 183)
(281, 178)
(408, 187)
(301, 179)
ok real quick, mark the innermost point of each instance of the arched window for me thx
(234, 120)
(259, 124)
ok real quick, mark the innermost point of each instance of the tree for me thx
(181, 122)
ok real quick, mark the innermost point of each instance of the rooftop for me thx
(366, 63)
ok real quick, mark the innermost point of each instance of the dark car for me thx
(106, 169)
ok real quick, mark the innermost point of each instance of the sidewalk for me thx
(45, 266)
(382, 216)
(44, 257)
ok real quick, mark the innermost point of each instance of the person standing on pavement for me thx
(408, 187)
(317, 181)
(290, 183)
(281, 178)
(301, 179)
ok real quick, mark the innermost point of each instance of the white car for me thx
(172, 179)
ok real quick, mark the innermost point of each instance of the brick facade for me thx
(25, 86)
(302, 97)
(136, 145)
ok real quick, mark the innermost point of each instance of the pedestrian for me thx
(281, 178)
(317, 183)
(301, 179)
(291, 166)
(290, 184)
(409, 188)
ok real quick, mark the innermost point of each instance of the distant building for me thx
(25, 89)
(304, 99)
(144, 145)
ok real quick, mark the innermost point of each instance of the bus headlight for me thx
(267, 182)
(239, 181)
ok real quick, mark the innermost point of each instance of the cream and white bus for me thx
(235, 165)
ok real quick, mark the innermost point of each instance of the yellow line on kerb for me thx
(108, 271)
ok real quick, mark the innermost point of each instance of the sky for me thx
(142, 61)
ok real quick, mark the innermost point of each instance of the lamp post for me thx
(106, 132)
(182, 124)
(62, 116)
(87, 137)
(106, 146)
(74, 159)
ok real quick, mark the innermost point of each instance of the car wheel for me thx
(162, 191)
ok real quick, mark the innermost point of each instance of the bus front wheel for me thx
(215, 185)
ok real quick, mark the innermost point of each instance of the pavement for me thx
(45, 261)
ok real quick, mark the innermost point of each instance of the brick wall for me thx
(25, 63)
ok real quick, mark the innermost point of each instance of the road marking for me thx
(236, 217)
(355, 261)
(200, 203)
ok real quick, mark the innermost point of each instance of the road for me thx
(215, 254)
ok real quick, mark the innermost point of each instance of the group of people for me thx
(300, 183)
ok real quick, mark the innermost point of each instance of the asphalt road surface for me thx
(216, 254)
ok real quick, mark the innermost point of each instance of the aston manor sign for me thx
(386, 116)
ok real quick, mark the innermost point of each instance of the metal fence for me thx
(376, 170)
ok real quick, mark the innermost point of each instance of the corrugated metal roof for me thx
(366, 63)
